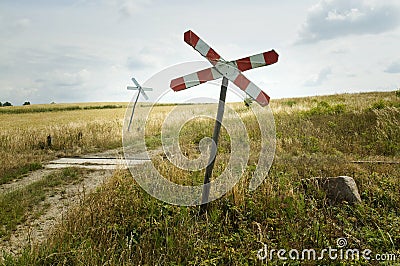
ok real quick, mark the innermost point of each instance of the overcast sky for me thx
(78, 51)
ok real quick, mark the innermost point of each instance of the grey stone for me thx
(337, 189)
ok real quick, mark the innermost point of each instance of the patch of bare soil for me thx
(28, 179)
(34, 231)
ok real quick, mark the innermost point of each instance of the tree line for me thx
(10, 104)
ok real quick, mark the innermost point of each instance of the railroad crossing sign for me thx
(232, 70)
(141, 90)
(228, 70)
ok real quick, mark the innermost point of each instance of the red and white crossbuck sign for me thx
(232, 70)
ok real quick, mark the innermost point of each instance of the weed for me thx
(378, 105)
(289, 103)
(325, 108)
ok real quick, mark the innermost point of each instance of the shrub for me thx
(324, 108)
(7, 104)
(289, 103)
(378, 105)
(27, 103)
(248, 101)
(398, 93)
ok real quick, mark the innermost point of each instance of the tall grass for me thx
(24, 137)
(120, 224)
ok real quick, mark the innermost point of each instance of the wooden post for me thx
(214, 148)
(48, 142)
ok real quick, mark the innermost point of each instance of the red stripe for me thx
(190, 38)
(244, 64)
(263, 99)
(178, 84)
(271, 57)
(242, 82)
(212, 56)
(205, 75)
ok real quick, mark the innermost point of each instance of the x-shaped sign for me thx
(141, 91)
(232, 70)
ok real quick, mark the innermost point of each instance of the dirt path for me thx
(39, 174)
(30, 178)
(34, 231)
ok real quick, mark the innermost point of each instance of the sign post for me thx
(141, 90)
(214, 146)
(228, 70)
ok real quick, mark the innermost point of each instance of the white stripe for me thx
(253, 90)
(202, 47)
(215, 73)
(191, 80)
(233, 76)
(228, 70)
(257, 60)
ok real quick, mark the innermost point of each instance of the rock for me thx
(337, 189)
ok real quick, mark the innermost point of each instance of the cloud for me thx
(393, 68)
(12, 26)
(334, 18)
(138, 62)
(22, 23)
(320, 78)
(66, 79)
(57, 73)
(129, 8)
(150, 56)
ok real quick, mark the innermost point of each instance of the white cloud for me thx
(67, 79)
(22, 23)
(128, 8)
(45, 45)
(10, 26)
(151, 56)
(320, 78)
(334, 18)
(393, 68)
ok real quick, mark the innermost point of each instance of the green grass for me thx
(18, 172)
(17, 205)
(54, 108)
(120, 224)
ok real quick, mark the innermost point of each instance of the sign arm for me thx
(258, 60)
(195, 79)
(202, 47)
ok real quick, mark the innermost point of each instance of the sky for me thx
(87, 51)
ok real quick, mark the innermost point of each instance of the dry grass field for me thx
(74, 129)
(120, 224)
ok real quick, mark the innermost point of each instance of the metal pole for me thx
(133, 109)
(214, 147)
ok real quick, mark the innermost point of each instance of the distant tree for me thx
(7, 104)
(52, 103)
(1, 104)
(27, 103)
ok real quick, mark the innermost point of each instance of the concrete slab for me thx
(94, 163)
